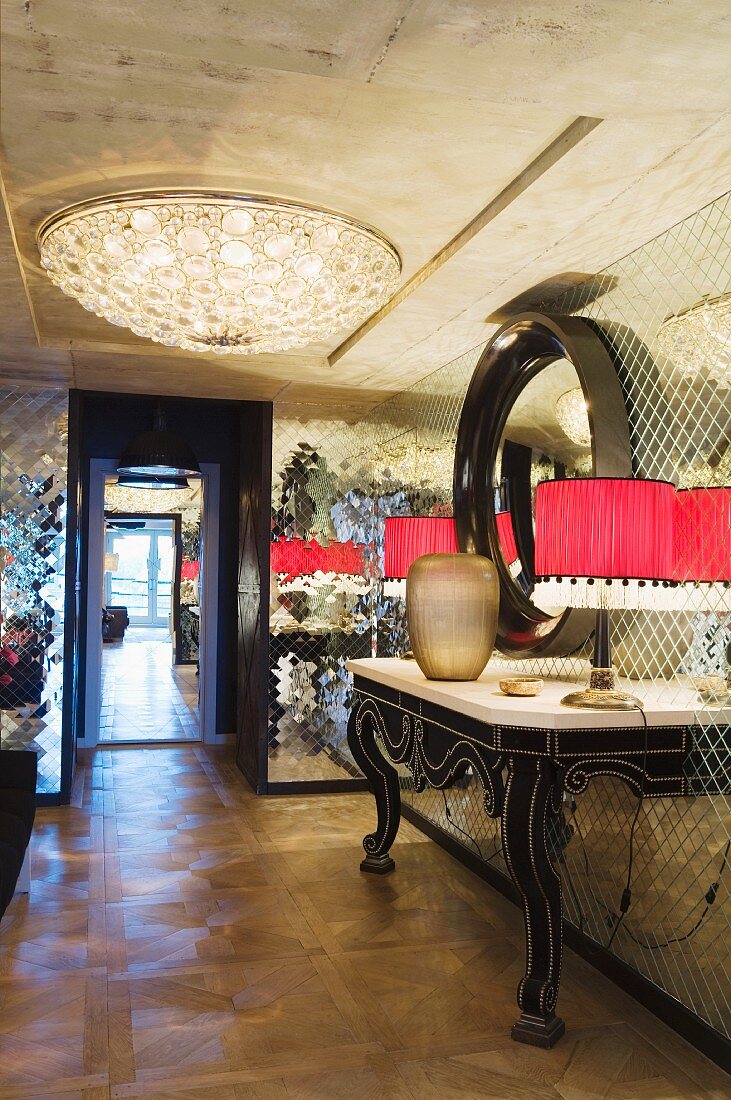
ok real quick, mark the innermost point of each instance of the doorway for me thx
(232, 441)
(149, 689)
(141, 573)
(154, 680)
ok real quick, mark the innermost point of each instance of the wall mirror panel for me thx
(546, 435)
(544, 402)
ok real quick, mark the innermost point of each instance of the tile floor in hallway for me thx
(187, 940)
(144, 696)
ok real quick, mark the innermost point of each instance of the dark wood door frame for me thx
(235, 437)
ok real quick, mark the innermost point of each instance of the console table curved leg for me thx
(528, 793)
(383, 778)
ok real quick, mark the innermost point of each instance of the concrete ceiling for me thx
(498, 144)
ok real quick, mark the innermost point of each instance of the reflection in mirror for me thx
(546, 436)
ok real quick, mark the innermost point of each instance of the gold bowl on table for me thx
(521, 685)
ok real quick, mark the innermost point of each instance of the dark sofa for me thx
(18, 773)
(115, 621)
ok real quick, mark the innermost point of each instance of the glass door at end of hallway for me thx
(143, 578)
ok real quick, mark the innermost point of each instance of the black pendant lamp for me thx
(158, 454)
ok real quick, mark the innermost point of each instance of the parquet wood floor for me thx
(186, 940)
(144, 696)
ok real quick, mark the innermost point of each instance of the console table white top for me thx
(665, 704)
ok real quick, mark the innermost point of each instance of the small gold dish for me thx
(712, 689)
(715, 698)
(521, 685)
(710, 682)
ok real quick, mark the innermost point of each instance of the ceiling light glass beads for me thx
(698, 341)
(120, 498)
(572, 415)
(222, 273)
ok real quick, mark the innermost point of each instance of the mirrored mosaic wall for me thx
(33, 458)
(337, 481)
(333, 486)
(322, 511)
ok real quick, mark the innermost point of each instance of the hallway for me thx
(186, 940)
(144, 696)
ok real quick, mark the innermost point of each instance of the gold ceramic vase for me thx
(452, 610)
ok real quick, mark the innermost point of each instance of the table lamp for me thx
(604, 543)
(312, 577)
(508, 545)
(407, 538)
(300, 557)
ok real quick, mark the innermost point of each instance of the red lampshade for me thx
(190, 570)
(406, 538)
(604, 529)
(297, 557)
(343, 557)
(506, 537)
(703, 534)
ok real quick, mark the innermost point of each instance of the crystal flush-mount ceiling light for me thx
(572, 415)
(698, 341)
(219, 272)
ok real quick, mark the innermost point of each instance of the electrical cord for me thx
(626, 899)
(625, 902)
(709, 897)
(453, 823)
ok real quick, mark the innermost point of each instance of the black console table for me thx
(525, 753)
